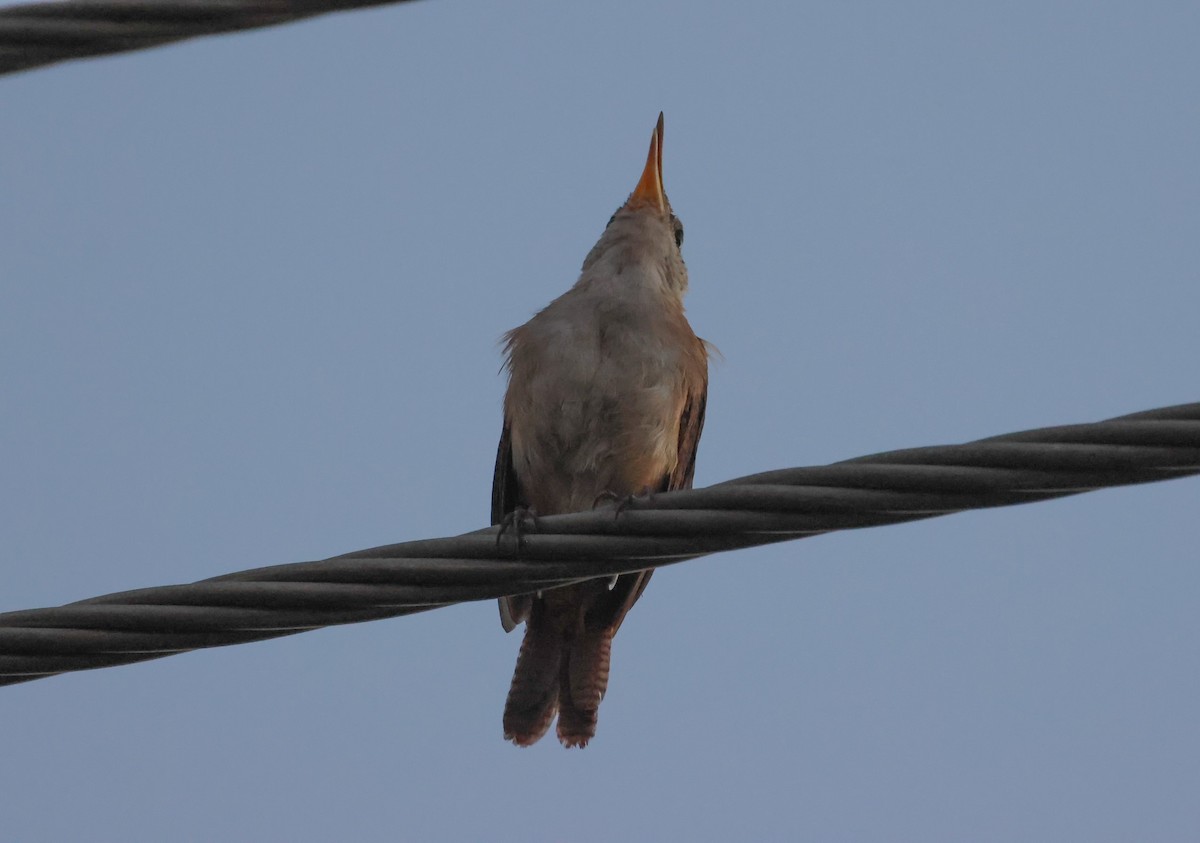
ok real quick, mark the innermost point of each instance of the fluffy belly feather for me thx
(603, 439)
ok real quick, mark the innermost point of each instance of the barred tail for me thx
(583, 679)
(533, 696)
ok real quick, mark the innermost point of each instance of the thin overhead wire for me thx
(400, 579)
(37, 34)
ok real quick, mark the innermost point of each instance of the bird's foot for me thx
(520, 521)
(623, 502)
(606, 497)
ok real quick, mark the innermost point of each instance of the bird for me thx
(607, 387)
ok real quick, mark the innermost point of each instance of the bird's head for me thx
(644, 232)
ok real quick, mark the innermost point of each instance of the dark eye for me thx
(678, 232)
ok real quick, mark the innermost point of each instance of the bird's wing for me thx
(504, 481)
(691, 425)
(506, 498)
(629, 587)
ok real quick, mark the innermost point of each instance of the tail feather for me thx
(582, 683)
(533, 697)
(575, 726)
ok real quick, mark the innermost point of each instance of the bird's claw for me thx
(623, 502)
(520, 521)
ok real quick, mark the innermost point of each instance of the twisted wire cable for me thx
(36, 34)
(400, 579)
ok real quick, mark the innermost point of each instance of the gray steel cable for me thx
(792, 503)
(36, 34)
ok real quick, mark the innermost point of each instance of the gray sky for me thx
(250, 292)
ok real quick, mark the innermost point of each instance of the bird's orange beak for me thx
(649, 192)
